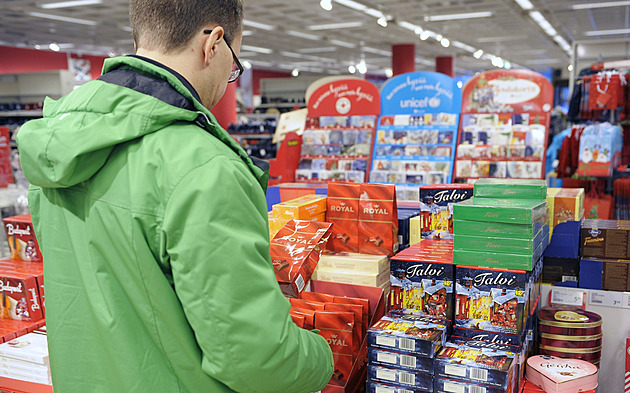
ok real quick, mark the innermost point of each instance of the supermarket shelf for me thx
(21, 114)
(18, 386)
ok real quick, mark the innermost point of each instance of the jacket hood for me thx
(78, 132)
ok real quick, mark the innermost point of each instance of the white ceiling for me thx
(509, 32)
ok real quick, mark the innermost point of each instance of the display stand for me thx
(337, 139)
(504, 126)
(415, 140)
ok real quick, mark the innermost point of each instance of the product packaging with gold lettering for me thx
(343, 213)
(378, 219)
(21, 237)
(337, 328)
(436, 208)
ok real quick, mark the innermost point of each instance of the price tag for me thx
(606, 298)
(569, 297)
(626, 300)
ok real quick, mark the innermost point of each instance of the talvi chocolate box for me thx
(419, 335)
(513, 211)
(436, 208)
(477, 362)
(512, 188)
(403, 378)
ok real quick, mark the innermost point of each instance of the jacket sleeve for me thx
(218, 244)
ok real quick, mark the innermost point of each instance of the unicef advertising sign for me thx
(417, 93)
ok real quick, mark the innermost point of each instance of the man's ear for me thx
(211, 43)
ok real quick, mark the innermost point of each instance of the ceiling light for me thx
(425, 34)
(543, 23)
(335, 26)
(525, 4)
(542, 61)
(460, 84)
(389, 72)
(507, 65)
(570, 67)
(54, 47)
(247, 64)
(257, 25)
(291, 54)
(352, 69)
(418, 30)
(374, 13)
(318, 50)
(445, 42)
(467, 15)
(600, 5)
(497, 62)
(295, 72)
(376, 51)
(439, 37)
(343, 43)
(125, 28)
(362, 67)
(409, 26)
(382, 21)
(607, 32)
(257, 49)
(352, 4)
(63, 18)
(299, 34)
(247, 33)
(245, 54)
(463, 46)
(64, 4)
(262, 63)
(326, 4)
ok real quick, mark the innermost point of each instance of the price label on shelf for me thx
(566, 296)
(626, 300)
(606, 298)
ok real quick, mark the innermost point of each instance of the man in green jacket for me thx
(153, 226)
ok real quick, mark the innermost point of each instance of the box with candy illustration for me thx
(436, 208)
(21, 237)
(493, 300)
(421, 279)
(402, 378)
(419, 335)
(477, 362)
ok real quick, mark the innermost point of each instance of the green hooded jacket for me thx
(152, 222)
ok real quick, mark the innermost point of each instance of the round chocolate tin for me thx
(590, 357)
(562, 341)
(569, 321)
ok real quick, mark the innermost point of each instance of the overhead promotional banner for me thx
(504, 91)
(345, 97)
(420, 92)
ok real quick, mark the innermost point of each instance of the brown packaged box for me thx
(378, 219)
(606, 239)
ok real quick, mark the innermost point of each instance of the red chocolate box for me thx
(378, 219)
(343, 213)
(21, 237)
(20, 297)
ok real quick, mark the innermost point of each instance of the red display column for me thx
(403, 58)
(225, 110)
(445, 65)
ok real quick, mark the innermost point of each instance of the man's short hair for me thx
(168, 25)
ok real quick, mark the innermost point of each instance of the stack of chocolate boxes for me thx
(499, 238)
(605, 262)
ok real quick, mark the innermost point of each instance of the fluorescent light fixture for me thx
(54, 47)
(64, 4)
(335, 26)
(247, 65)
(382, 21)
(498, 62)
(352, 4)
(256, 49)
(326, 4)
(376, 51)
(467, 15)
(247, 54)
(352, 69)
(507, 65)
(445, 42)
(125, 28)
(374, 13)
(600, 5)
(247, 33)
(606, 32)
(262, 63)
(501, 38)
(463, 46)
(318, 50)
(362, 67)
(425, 34)
(343, 43)
(525, 4)
(543, 23)
(410, 26)
(542, 61)
(295, 72)
(425, 61)
(439, 37)
(65, 46)
(460, 84)
(258, 25)
(63, 18)
(306, 36)
(477, 55)
(570, 67)
(389, 72)
(291, 54)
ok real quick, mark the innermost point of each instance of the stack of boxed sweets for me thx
(605, 262)
(436, 208)
(498, 245)
(554, 374)
(401, 352)
(26, 358)
(310, 207)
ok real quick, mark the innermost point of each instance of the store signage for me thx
(420, 92)
(508, 91)
(345, 97)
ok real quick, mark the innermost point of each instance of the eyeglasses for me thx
(236, 73)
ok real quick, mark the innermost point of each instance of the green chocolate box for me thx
(499, 244)
(499, 229)
(514, 188)
(513, 211)
(497, 260)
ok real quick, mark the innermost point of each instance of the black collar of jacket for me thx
(163, 91)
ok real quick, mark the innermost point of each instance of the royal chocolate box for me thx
(375, 387)
(21, 237)
(477, 362)
(512, 211)
(378, 219)
(403, 361)
(513, 189)
(499, 229)
(447, 385)
(493, 300)
(500, 244)
(606, 239)
(436, 208)
(421, 280)
(402, 378)
(418, 335)
(343, 213)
